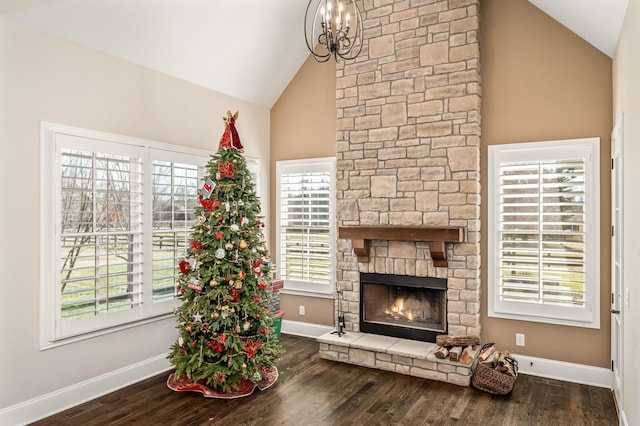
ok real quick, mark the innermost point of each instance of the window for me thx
(543, 245)
(116, 219)
(305, 224)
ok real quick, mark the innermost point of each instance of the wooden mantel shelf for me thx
(436, 236)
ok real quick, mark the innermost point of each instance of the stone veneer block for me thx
(333, 339)
(412, 348)
(384, 365)
(374, 342)
(428, 374)
(362, 357)
(331, 356)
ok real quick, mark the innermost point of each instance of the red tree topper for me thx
(230, 136)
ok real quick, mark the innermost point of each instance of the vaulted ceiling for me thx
(248, 49)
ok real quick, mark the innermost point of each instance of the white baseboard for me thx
(566, 371)
(304, 329)
(623, 419)
(62, 399)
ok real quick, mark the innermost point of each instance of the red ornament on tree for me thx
(185, 267)
(226, 170)
(194, 286)
(250, 348)
(206, 204)
(234, 293)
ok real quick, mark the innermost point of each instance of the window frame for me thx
(323, 164)
(588, 149)
(52, 138)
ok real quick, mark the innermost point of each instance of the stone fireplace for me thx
(408, 145)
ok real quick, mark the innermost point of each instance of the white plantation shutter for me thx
(543, 231)
(542, 221)
(253, 165)
(116, 218)
(100, 238)
(100, 206)
(306, 224)
(175, 197)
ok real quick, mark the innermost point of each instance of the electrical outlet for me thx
(301, 310)
(519, 339)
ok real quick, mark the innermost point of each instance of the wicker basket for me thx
(490, 380)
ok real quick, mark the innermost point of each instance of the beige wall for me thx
(541, 82)
(626, 90)
(43, 78)
(303, 125)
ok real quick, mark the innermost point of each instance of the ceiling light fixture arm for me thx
(331, 30)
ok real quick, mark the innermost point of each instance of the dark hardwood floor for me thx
(311, 391)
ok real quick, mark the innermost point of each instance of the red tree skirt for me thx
(246, 388)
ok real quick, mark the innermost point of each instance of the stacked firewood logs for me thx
(461, 349)
(498, 360)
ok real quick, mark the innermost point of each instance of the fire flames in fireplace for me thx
(396, 311)
(395, 305)
(408, 312)
(405, 309)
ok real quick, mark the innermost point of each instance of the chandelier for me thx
(334, 29)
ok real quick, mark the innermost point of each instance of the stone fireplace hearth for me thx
(408, 154)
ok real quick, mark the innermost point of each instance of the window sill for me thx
(594, 323)
(307, 293)
(101, 332)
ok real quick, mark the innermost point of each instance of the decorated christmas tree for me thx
(227, 343)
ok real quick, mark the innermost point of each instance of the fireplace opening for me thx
(403, 306)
